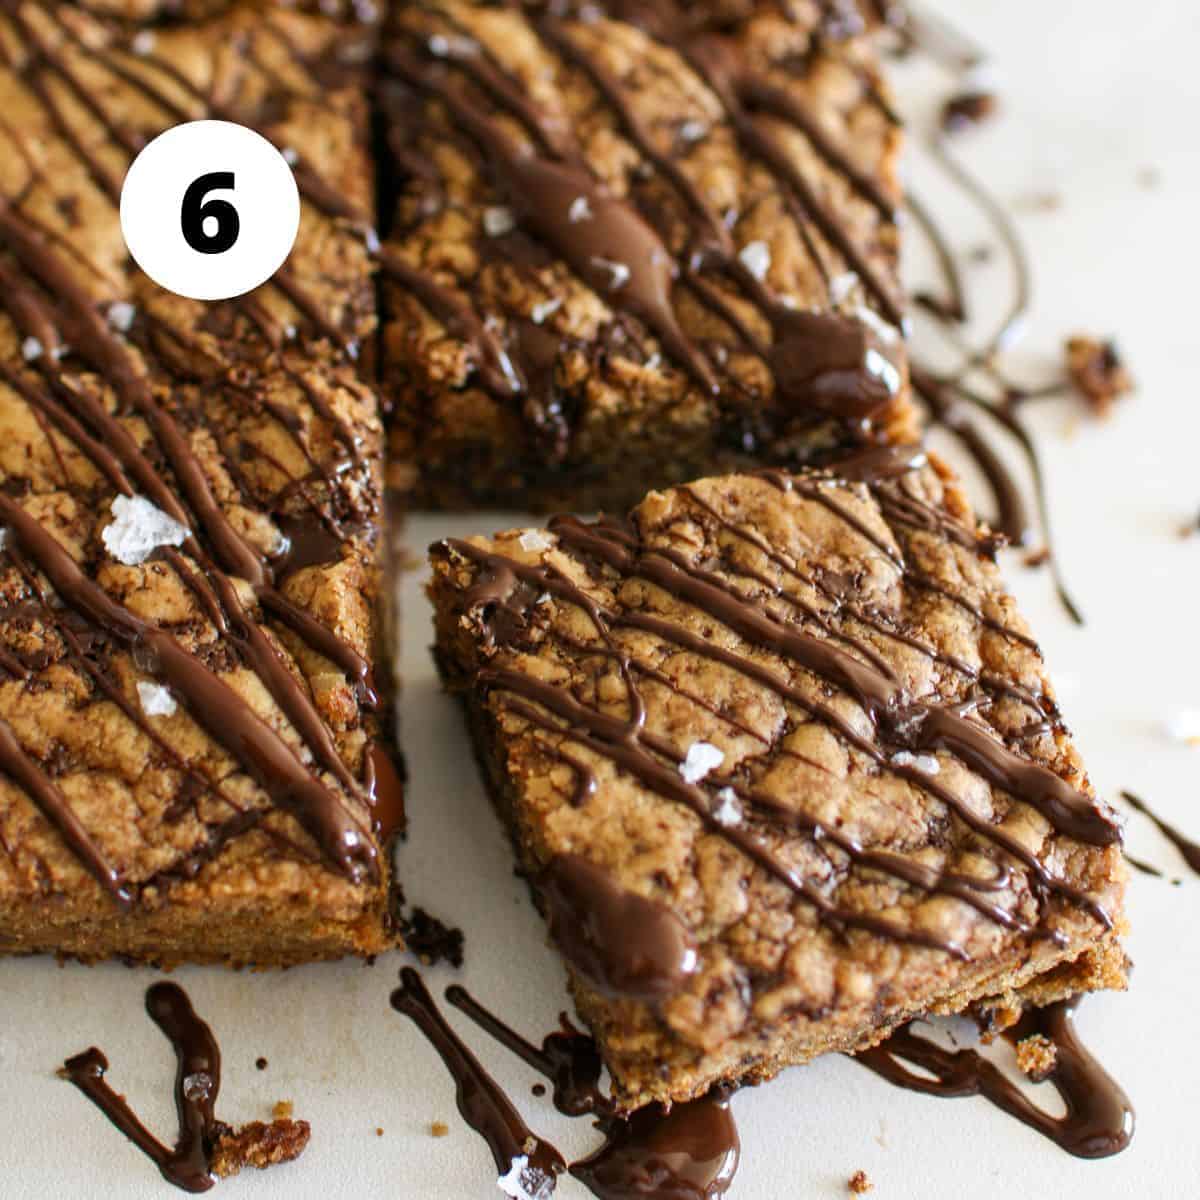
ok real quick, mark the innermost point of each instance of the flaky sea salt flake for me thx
(120, 315)
(156, 700)
(545, 308)
(702, 757)
(524, 1182)
(580, 210)
(925, 763)
(534, 539)
(729, 810)
(756, 258)
(497, 221)
(138, 529)
(617, 270)
(31, 349)
(143, 43)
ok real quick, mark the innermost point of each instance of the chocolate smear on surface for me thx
(1189, 849)
(202, 1138)
(1099, 1118)
(483, 1104)
(689, 1152)
(622, 943)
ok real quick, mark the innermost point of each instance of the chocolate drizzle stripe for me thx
(186, 1165)
(687, 1152)
(483, 1105)
(1099, 1117)
(54, 806)
(1188, 849)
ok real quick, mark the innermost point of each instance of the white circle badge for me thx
(210, 210)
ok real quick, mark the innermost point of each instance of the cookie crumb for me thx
(379, 1131)
(438, 1129)
(1096, 370)
(1038, 558)
(859, 1183)
(431, 940)
(259, 1145)
(283, 1110)
(261, 1063)
(968, 109)
(1037, 1056)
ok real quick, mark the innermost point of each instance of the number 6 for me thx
(194, 211)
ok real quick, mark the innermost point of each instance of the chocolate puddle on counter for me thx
(690, 1152)
(206, 1148)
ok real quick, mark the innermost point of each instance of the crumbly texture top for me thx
(865, 730)
(244, 424)
(643, 213)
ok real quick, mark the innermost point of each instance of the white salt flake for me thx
(887, 333)
(544, 598)
(654, 362)
(143, 43)
(702, 757)
(841, 286)
(156, 700)
(756, 258)
(545, 308)
(31, 349)
(371, 238)
(729, 811)
(352, 349)
(1185, 726)
(524, 1182)
(498, 221)
(925, 763)
(618, 270)
(291, 155)
(883, 369)
(533, 539)
(289, 332)
(693, 131)
(120, 315)
(3, 537)
(580, 210)
(197, 1086)
(138, 529)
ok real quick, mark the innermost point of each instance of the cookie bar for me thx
(783, 767)
(632, 244)
(194, 737)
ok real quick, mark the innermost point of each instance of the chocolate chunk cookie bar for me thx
(633, 243)
(783, 766)
(193, 735)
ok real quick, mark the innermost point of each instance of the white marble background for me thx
(1095, 93)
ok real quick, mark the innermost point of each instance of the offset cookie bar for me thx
(783, 767)
(633, 244)
(193, 738)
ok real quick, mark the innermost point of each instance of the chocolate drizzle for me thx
(689, 1152)
(1189, 849)
(480, 1100)
(1099, 1118)
(186, 1165)
(622, 943)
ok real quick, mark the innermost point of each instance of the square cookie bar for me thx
(194, 738)
(632, 244)
(783, 767)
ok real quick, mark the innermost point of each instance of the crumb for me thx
(1037, 558)
(859, 1183)
(1149, 177)
(431, 940)
(261, 1063)
(539, 1089)
(379, 1131)
(968, 109)
(283, 1110)
(1040, 202)
(259, 1145)
(1191, 528)
(1037, 1056)
(1096, 370)
(439, 1129)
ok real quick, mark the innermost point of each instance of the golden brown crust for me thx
(777, 985)
(285, 435)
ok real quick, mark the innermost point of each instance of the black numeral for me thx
(195, 209)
